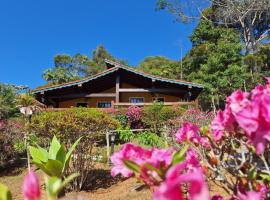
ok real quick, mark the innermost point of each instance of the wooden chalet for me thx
(119, 85)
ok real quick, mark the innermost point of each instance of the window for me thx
(105, 104)
(84, 105)
(158, 99)
(136, 99)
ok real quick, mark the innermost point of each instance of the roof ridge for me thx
(75, 81)
(157, 76)
(116, 66)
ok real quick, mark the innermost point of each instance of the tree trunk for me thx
(249, 36)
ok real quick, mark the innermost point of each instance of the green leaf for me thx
(61, 155)
(54, 148)
(5, 193)
(55, 185)
(265, 176)
(55, 167)
(52, 186)
(132, 166)
(38, 155)
(180, 155)
(43, 168)
(152, 168)
(67, 180)
(68, 155)
(252, 174)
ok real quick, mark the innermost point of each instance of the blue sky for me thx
(32, 32)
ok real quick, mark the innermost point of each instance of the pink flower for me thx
(31, 190)
(128, 152)
(251, 112)
(170, 189)
(161, 157)
(190, 132)
(251, 195)
(192, 159)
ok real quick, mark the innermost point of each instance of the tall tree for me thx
(97, 64)
(161, 66)
(250, 17)
(7, 101)
(215, 60)
(67, 68)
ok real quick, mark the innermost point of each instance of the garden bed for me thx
(105, 187)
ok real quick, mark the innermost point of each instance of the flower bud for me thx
(31, 190)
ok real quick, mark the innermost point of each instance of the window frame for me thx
(105, 102)
(138, 98)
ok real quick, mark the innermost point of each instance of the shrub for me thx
(7, 101)
(156, 116)
(150, 139)
(126, 134)
(123, 120)
(11, 142)
(68, 126)
(134, 115)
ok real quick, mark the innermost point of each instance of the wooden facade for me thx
(118, 86)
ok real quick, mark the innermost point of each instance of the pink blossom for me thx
(251, 195)
(170, 189)
(156, 157)
(134, 116)
(30, 189)
(251, 112)
(190, 132)
(192, 159)
(161, 157)
(128, 152)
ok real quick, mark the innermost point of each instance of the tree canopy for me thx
(67, 68)
(161, 66)
(250, 17)
(215, 61)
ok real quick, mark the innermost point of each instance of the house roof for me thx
(116, 66)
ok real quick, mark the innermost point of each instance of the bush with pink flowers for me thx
(232, 152)
(134, 116)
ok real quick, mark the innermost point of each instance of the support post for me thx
(117, 86)
(108, 146)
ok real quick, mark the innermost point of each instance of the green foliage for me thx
(25, 100)
(72, 122)
(69, 125)
(215, 61)
(180, 155)
(156, 115)
(7, 101)
(59, 75)
(68, 68)
(161, 66)
(123, 120)
(150, 139)
(5, 193)
(19, 146)
(55, 185)
(125, 134)
(55, 161)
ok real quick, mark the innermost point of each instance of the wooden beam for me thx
(101, 95)
(117, 88)
(165, 90)
(149, 104)
(83, 95)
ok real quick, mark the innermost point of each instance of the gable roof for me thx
(115, 66)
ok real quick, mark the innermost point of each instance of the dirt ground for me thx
(104, 187)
